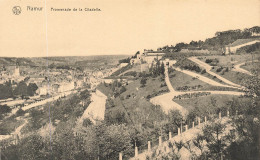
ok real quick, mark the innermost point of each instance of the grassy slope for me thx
(205, 102)
(228, 60)
(137, 103)
(179, 79)
(9, 125)
(249, 66)
(235, 77)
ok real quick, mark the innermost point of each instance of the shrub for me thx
(148, 96)
(87, 122)
(203, 71)
(143, 82)
(5, 109)
(219, 69)
(227, 69)
(20, 112)
(122, 89)
(208, 60)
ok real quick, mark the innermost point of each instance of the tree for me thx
(175, 118)
(143, 82)
(122, 89)
(35, 120)
(87, 122)
(199, 143)
(20, 112)
(216, 141)
(33, 147)
(162, 69)
(6, 90)
(31, 89)
(21, 89)
(84, 94)
(4, 109)
(112, 140)
(246, 145)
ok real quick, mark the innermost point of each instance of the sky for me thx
(121, 27)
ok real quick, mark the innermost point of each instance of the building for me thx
(195, 50)
(16, 71)
(233, 47)
(149, 57)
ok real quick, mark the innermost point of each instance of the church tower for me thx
(17, 70)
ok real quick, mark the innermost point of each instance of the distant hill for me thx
(74, 61)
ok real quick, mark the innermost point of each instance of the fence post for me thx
(170, 135)
(186, 127)
(193, 124)
(219, 115)
(120, 156)
(199, 121)
(136, 151)
(227, 113)
(160, 140)
(149, 146)
(205, 119)
(179, 131)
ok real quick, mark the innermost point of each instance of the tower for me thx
(17, 71)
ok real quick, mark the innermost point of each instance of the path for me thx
(167, 104)
(238, 69)
(18, 129)
(16, 132)
(208, 69)
(35, 104)
(96, 109)
(165, 100)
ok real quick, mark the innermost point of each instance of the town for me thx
(151, 104)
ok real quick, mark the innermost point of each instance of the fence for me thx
(159, 141)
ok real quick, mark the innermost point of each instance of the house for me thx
(232, 48)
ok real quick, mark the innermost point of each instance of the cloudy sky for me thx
(122, 26)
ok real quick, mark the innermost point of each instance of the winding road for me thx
(166, 100)
(237, 68)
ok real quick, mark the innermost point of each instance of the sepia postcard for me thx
(129, 80)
